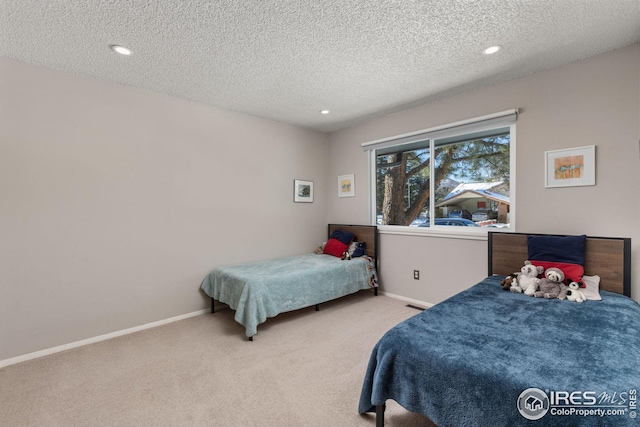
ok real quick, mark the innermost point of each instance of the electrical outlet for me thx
(416, 274)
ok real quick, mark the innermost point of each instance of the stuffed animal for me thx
(552, 286)
(510, 280)
(574, 294)
(528, 280)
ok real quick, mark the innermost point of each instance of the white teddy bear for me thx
(528, 279)
(574, 294)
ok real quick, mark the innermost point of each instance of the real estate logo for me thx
(533, 403)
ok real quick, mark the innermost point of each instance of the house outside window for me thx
(458, 176)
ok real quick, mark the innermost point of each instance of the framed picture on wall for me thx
(302, 191)
(346, 186)
(570, 167)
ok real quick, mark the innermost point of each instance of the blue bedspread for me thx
(261, 290)
(467, 360)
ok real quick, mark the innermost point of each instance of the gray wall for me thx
(116, 202)
(591, 102)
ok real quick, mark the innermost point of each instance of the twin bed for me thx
(485, 356)
(260, 290)
(490, 357)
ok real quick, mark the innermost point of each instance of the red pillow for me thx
(335, 247)
(572, 272)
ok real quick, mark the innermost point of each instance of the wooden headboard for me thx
(608, 257)
(363, 233)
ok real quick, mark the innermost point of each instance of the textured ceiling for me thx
(287, 59)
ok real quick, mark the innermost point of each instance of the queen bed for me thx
(490, 357)
(260, 290)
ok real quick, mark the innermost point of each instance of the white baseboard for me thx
(64, 347)
(409, 300)
(218, 306)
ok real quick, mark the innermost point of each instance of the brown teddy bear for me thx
(507, 282)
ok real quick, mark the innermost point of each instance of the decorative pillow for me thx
(563, 252)
(592, 288)
(344, 236)
(335, 247)
(361, 249)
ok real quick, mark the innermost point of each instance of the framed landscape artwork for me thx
(570, 167)
(302, 191)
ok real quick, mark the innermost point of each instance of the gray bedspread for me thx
(260, 290)
(469, 360)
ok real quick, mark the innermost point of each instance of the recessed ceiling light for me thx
(324, 111)
(121, 49)
(491, 50)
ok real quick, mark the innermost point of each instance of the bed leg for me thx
(213, 310)
(375, 291)
(380, 415)
(317, 307)
(251, 338)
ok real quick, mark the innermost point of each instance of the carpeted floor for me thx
(303, 369)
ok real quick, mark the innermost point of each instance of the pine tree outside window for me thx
(458, 176)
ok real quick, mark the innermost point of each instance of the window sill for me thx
(442, 231)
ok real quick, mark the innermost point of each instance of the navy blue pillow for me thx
(568, 249)
(344, 236)
(361, 249)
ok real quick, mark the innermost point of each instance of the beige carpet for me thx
(303, 369)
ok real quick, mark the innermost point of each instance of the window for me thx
(458, 175)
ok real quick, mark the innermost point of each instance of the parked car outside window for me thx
(458, 222)
(460, 213)
(484, 215)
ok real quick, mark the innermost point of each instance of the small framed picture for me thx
(346, 186)
(302, 191)
(570, 167)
